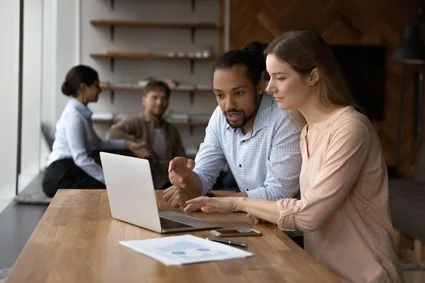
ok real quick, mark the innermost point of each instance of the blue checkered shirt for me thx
(265, 162)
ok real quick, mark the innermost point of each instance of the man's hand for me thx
(139, 149)
(176, 197)
(179, 170)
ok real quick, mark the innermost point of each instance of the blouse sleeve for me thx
(344, 160)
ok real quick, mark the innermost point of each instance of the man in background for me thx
(161, 139)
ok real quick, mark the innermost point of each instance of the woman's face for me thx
(91, 93)
(290, 89)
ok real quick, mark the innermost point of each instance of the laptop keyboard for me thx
(171, 224)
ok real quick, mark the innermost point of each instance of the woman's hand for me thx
(209, 205)
(253, 219)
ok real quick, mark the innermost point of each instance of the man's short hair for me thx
(157, 85)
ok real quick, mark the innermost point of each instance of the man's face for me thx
(236, 95)
(155, 102)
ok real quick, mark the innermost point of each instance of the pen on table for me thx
(228, 242)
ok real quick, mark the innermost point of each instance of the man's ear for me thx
(261, 87)
(314, 77)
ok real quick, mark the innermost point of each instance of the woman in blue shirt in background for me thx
(71, 165)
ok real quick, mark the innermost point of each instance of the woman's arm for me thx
(262, 209)
(333, 183)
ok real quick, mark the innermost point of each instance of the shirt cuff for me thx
(256, 194)
(101, 179)
(206, 187)
(286, 219)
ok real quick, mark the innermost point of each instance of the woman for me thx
(343, 210)
(70, 165)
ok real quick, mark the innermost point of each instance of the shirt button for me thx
(240, 165)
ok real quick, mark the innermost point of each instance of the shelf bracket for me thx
(192, 97)
(112, 4)
(193, 5)
(112, 96)
(192, 34)
(192, 66)
(112, 32)
(112, 62)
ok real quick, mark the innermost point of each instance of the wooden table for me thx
(77, 241)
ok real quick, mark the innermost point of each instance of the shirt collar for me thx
(80, 107)
(262, 116)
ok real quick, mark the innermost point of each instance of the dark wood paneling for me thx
(342, 22)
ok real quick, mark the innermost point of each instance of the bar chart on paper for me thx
(184, 249)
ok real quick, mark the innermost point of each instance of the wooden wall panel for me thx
(342, 22)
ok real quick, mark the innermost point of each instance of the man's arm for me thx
(124, 129)
(188, 183)
(210, 159)
(283, 164)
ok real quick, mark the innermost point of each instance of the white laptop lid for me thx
(130, 190)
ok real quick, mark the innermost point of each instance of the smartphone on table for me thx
(235, 232)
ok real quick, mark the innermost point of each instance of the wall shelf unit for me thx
(123, 36)
(138, 90)
(192, 4)
(126, 55)
(112, 24)
(191, 124)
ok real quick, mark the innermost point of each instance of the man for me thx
(247, 131)
(162, 139)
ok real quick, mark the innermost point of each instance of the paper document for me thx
(176, 250)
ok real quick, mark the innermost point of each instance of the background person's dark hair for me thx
(251, 56)
(157, 85)
(76, 76)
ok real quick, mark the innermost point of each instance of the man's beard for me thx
(245, 118)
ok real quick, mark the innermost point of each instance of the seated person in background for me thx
(70, 165)
(247, 131)
(343, 210)
(159, 137)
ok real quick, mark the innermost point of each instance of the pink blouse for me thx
(343, 210)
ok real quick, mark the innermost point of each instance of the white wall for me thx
(61, 38)
(67, 38)
(61, 41)
(31, 88)
(9, 86)
(49, 90)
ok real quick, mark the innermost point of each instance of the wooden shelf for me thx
(139, 89)
(109, 122)
(141, 56)
(137, 24)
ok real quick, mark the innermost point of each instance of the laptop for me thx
(132, 199)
